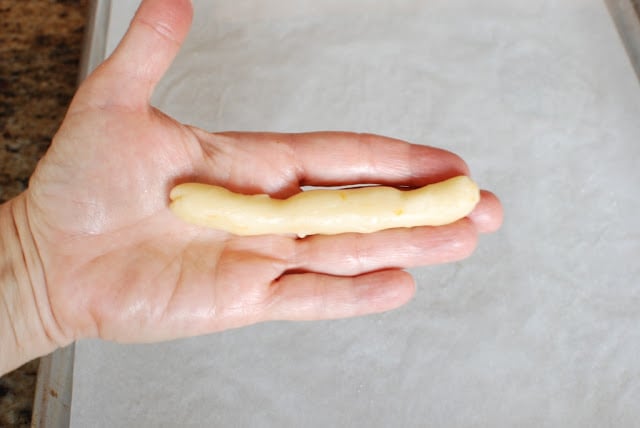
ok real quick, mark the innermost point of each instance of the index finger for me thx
(345, 158)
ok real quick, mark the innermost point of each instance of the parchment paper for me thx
(540, 327)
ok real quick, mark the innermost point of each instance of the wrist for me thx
(23, 296)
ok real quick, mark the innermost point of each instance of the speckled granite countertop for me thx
(40, 48)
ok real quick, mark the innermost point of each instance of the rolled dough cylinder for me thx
(325, 211)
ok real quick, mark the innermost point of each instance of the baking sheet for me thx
(539, 327)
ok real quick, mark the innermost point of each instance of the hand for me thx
(113, 262)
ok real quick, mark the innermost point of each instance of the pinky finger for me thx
(314, 296)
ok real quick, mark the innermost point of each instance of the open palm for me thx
(117, 264)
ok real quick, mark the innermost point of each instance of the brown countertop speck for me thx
(40, 47)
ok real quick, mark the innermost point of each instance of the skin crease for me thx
(108, 259)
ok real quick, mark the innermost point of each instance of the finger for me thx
(146, 51)
(313, 296)
(344, 158)
(354, 254)
(488, 214)
(331, 159)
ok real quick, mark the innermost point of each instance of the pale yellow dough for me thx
(325, 211)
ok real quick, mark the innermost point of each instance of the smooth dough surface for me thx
(325, 211)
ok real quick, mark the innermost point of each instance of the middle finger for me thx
(354, 254)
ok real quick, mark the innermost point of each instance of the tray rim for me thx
(626, 17)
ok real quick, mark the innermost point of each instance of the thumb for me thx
(146, 51)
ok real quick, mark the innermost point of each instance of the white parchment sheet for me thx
(540, 327)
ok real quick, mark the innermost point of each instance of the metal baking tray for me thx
(55, 378)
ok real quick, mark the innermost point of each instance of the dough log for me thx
(321, 211)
